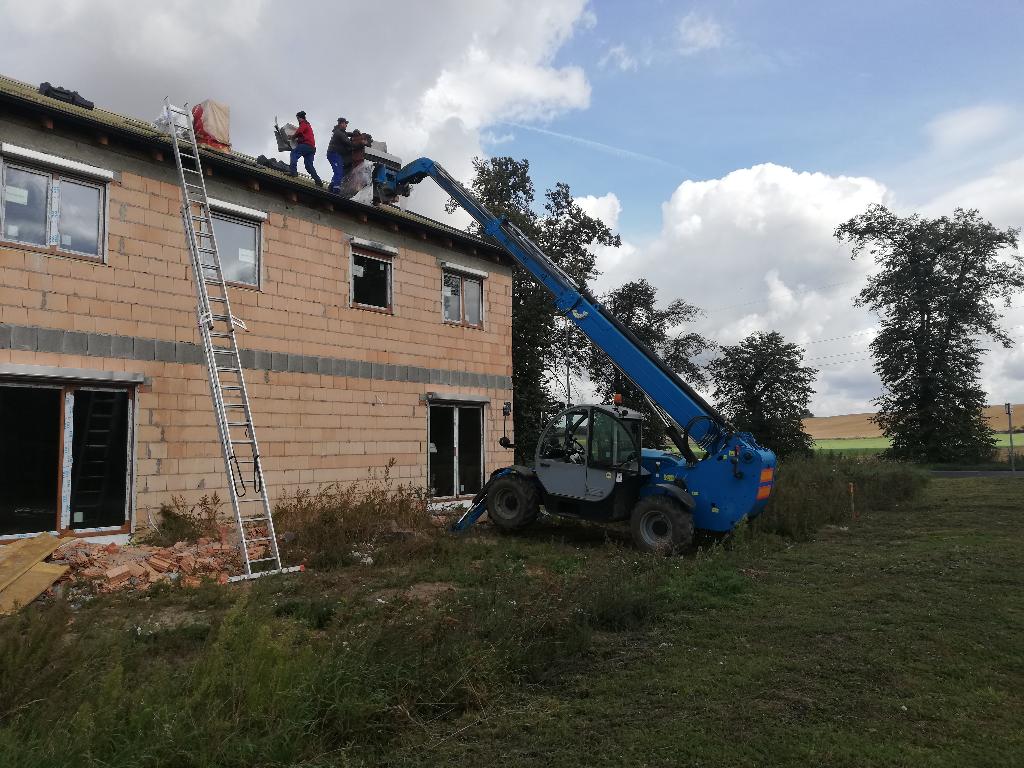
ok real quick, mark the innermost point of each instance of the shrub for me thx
(181, 522)
(814, 490)
(332, 526)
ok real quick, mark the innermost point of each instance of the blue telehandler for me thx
(590, 463)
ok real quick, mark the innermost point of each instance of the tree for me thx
(635, 306)
(935, 294)
(762, 386)
(567, 235)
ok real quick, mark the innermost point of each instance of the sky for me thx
(725, 141)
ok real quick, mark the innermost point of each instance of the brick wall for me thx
(313, 427)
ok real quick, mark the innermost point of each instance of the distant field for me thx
(859, 425)
(870, 444)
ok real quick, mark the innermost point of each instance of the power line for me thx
(799, 292)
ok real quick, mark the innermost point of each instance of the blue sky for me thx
(725, 141)
(842, 88)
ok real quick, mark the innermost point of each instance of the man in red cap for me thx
(305, 147)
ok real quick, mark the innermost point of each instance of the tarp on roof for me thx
(212, 122)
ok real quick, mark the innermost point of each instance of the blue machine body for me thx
(732, 481)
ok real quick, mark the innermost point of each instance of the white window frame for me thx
(386, 259)
(54, 175)
(464, 274)
(234, 214)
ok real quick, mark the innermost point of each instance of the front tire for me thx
(513, 502)
(660, 524)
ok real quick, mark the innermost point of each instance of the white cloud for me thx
(460, 67)
(607, 208)
(964, 128)
(619, 57)
(698, 32)
(755, 250)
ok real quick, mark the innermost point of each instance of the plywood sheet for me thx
(25, 556)
(30, 585)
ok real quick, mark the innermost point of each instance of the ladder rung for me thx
(264, 560)
(254, 518)
(219, 335)
(234, 405)
(189, 170)
(249, 501)
(261, 538)
(232, 386)
(244, 442)
(239, 424)
(228, 370)
(216, 298)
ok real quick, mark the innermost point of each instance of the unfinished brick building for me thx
(374, 333)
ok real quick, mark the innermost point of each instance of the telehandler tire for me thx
(660, 524)
(513, 502)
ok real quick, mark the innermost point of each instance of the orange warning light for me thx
(763, 492)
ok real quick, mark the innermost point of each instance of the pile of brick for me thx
(112, 568)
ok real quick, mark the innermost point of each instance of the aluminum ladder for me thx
(217, 325)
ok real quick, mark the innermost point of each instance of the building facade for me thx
(375, 335)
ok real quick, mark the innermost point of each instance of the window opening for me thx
(566, 438)
(611, 443)
(239, 245)
(462, 299)
(47, 210)
(371, 281)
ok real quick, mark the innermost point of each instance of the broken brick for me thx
(160, 564)
(112, 548)
(117, 575)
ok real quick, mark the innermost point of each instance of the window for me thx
(64, 458)
(238, 242)
(371, 282)
(566, 438)
(611, 444)
(48, 210)
(462, 299)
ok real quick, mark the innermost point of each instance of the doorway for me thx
(455, 450)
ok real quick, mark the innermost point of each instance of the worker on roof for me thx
(305, 147)
(339, 153)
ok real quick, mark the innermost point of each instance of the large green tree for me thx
(568, 235)
(762, 386)
(635, 305)
(935, 292)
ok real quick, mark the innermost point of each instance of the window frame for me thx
(234, 218)
(63, 522)
(55, 176)
(463, 277)
(387, 259)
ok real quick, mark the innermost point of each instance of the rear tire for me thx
(513, 502)
(660, 524)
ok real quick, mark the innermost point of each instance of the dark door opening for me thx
(30, 442)
(455, 452)
(441, 457)
(99, 474)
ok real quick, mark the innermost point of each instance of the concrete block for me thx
(278, 361)
(99, 345)
(49, 340)
(143, 349)
(164, 351)
(248, 358)
(401, 373)
(23, 337)
(294, 364)
(364, 369)
(75, 343)
(434, 376)
(377, 371)
(325, 366)
(5, 337)
(389, 372)
(188, 353)
(309, 364)
(263, 360)
(122, 347)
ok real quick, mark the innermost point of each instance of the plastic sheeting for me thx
(356, 179)
(285, 136)
(167, 119)
(212, 122)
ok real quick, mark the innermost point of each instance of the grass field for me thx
(890, 641)
(875, 444)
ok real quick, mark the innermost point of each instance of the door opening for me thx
(455, 451)
(30, 445)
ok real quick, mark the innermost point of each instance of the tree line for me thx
(935, 292)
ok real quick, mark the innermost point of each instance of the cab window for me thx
(566, 439)
(611, 444)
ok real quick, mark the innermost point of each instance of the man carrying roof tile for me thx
(305, 147)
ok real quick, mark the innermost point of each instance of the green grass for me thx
(876, 444)
(892, 641)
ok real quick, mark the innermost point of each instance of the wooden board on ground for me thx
(30, 585)
(27, 553)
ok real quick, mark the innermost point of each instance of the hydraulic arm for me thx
(687, 415)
